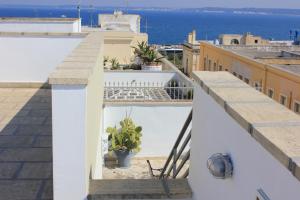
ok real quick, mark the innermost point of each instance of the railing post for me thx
(174, 162)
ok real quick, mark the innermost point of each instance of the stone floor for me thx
(25, 144)
(138, 170)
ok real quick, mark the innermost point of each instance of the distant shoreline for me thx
(241, 11)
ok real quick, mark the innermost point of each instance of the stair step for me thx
(139, 189)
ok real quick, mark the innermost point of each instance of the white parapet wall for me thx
(161, 123)
(32, 57)
(132, 77)
(260, 136)
(77, 98)
(40, 25)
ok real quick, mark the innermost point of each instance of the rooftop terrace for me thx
(286, 58)
(25, 143)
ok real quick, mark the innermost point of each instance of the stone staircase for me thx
(140, 189)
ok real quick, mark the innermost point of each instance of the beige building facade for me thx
(121, 33)
(246, 39)
(118, 44)
(275, 73)
(191, 54)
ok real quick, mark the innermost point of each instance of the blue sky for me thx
(167, 3)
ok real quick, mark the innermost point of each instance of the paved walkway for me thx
(139, 169)
(25, 144)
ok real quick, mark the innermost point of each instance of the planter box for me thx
(152, 67)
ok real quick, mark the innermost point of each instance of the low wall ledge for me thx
(273, 126)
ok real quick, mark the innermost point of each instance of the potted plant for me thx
(115, 65)
(148, 57)
(125, 141)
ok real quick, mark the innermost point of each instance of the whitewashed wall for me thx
(31, 59)
(69, 142)
(140, 76)
(161, 124)
(214, 131)
(41, 27)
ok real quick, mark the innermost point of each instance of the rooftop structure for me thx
(246, 39)
(120, 22)
(260, 135)
(271, 69)
(191, 54)
(121, 33)
(38, 25)
(28, 104)
(286, 59)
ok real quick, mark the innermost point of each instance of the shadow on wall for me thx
(25, 143)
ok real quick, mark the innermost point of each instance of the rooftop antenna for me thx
(146, 25)
(91, 14)
(127, 5)
(78, 11)
(79, 17)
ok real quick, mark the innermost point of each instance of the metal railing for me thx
(179, 153)
(148, 91)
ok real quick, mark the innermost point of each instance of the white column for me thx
(70, 169)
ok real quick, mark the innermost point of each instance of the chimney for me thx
(194, 37)
(190, 38)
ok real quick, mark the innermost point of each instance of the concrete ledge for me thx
(79, 66)
(24, 85)
(149, 103)
(34, 34)
(37, 19)
(140, 189)
(272, 125)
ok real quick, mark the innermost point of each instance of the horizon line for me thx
(150, 7)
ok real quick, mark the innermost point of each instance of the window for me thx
(234, 74)
(257, 86)
(256, 41)
(220, 68)
(226, 70)
(271, 93)
(283, 100)
(209, 65)
(246, 80)
(205, 60)
(215, 66)
(241, 77)
(297, 107)
(187, 66)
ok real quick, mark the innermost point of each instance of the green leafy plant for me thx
(190, 94)
(115, 65)
(141, 49)
(105, 60)
(125, 138)
(147, 54)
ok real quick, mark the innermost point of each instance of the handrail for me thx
(176, 155)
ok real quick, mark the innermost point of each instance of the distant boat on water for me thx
(63, 16)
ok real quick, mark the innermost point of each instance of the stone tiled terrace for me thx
(25, 143)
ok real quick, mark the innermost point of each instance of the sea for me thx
(172, 27)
